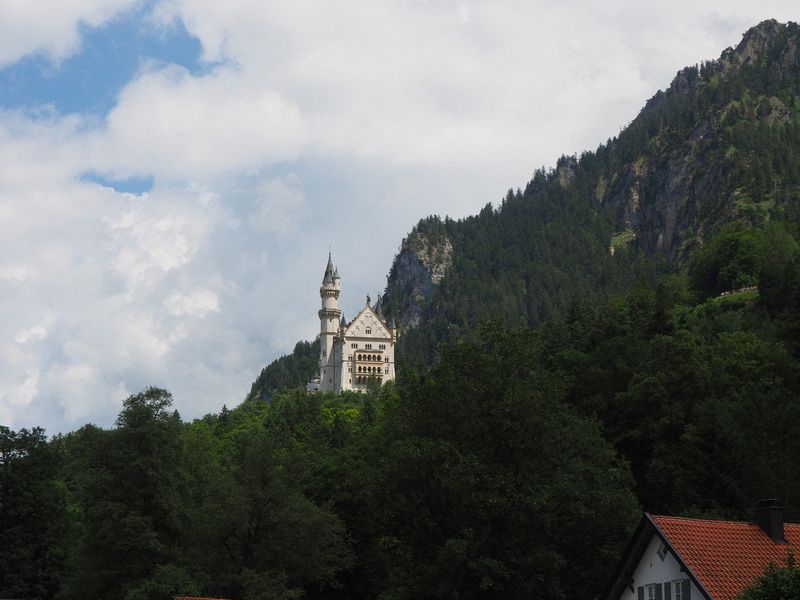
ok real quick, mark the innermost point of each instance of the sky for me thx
(173, 173)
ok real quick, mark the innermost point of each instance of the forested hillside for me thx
(490, 475)
(721, 143)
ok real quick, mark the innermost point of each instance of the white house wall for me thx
(653, 569)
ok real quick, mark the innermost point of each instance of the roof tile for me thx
(727, 556)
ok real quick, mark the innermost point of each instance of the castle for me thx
(351, 354)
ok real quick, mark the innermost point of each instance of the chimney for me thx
(769, 516)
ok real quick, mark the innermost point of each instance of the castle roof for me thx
(329, 275)
(363, 318)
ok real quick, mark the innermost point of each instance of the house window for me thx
(681, 588)
(650, 592)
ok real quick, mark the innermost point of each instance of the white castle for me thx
(351, 354)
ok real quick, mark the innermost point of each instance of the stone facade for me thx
(353, 354)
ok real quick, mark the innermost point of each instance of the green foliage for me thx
(287, 372)
(776, 583)
(477, 481)
(127, 482)
(33, 515)
(730, 261)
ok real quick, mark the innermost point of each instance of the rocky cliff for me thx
(692, 173)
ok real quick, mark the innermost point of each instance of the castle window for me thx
(354, 345)
(387, 370)
(368, 346)
(382, 346)
(368, 330)
(387, 359)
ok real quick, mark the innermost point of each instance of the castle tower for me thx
(329, 320)
(354, 355)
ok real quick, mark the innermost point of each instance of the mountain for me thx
(721, 143)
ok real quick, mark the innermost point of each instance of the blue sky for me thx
(173, 172)
(110, 55)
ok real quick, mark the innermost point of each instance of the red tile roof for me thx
(726, 556)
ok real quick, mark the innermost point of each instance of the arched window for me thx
(368, 330)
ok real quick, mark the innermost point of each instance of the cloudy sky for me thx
(174, 172)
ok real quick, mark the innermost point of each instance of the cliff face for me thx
(418, 269)
(677, 190)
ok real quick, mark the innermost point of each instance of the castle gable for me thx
(367, 324)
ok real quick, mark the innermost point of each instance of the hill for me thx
(721, 143)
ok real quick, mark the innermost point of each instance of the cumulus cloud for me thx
(197, 303)
(176, 126)
(279, 207)
(50, 26)
(320, 123)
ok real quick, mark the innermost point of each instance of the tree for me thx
(487, 485)
(33, 515)
(128, 483)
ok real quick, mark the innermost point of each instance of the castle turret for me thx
(329, 321)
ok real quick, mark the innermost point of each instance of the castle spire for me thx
(328, 277)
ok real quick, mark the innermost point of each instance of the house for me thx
(351, 355)
(676, 558)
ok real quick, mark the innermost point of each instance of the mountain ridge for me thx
(720, 143)
(691, 161)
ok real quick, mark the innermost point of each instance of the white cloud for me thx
(177, 127)
(197, 303)
(323, 123)
(33, 334)
(279, 207)
(50, 26)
